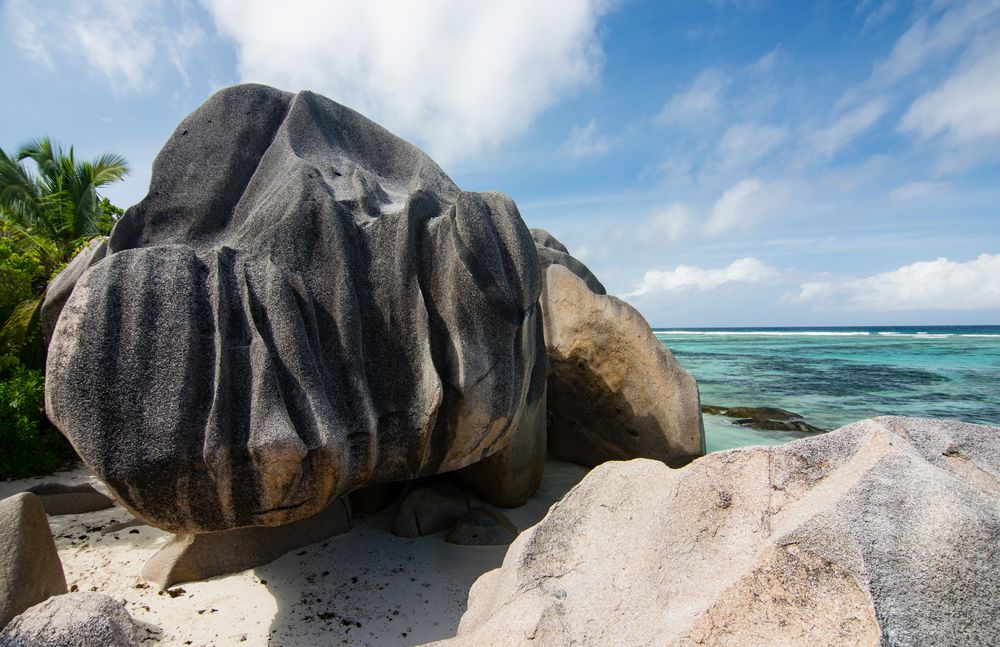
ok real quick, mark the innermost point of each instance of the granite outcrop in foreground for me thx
(303, 304)
(882, 532)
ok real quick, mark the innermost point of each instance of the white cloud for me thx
(744, 144)
(747, 202)
(458, 76)
(936, 33)
(848, 127)
(701, 100)
(688, 277)
(917, 191)
(121, 39)
(585, 142)
(765, 63)
(666, 225)
(964, 110)
(940, 284)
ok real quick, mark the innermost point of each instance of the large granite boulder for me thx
(73, 620)
(30, 569)
(303, 304)
(615, 392)
(882, 532)
(552, 252)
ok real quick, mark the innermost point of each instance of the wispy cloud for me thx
(749, 202)
(746, 143)
(696, 103)
(585, 143)
(688, 277)
(917, 191)
(964, 111)
(847, 127)
(940, 284)
(124, 41)
(459, 77)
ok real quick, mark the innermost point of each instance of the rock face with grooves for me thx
(30, 569)
(882, 532)
(614, 390)
(304, 304)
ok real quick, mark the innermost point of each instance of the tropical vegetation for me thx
(50, 207)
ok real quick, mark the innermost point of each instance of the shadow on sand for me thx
(369, 587)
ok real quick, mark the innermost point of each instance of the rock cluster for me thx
(304, 304)
(882, 532)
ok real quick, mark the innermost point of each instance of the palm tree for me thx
(53, 209)
(57, 207)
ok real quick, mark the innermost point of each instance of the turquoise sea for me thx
(834, 376)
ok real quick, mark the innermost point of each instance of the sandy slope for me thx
(365, 587)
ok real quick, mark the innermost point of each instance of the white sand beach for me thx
(365, 587)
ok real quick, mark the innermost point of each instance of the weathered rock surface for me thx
(59, 498)
(303, 304)
(764, 418)
(482, 527)
(73, 620)
(190, 558)
(61, 286)
(614, 390)
(30, 570)
(552, 252)
(428, 509)
(882, 532)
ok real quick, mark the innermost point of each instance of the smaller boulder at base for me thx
(72, 620)
(30, 570)
(59, 498)
(189, 558)
(482, 527)
(429, 509)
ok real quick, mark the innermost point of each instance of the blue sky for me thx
(715, 162)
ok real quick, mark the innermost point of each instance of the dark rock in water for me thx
(552, 252)
(763, 418)
(58, 498)
(482, 527)
(30, 569)
(189, 558)
(304, 304)
(615, 392)
(779, 425)
(428, 509)
(73, 620)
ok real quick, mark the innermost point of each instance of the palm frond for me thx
(18, 325)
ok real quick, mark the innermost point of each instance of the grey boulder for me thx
(615, 392)
(30, 569)
(61, 286)
(303, 305)
(59, 498)
(482, 527)
(428, 509)
(73, 620)
(884, 532)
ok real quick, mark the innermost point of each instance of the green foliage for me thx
(29, 444)
(55, 208)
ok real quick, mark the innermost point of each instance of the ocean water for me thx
(834, 376)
